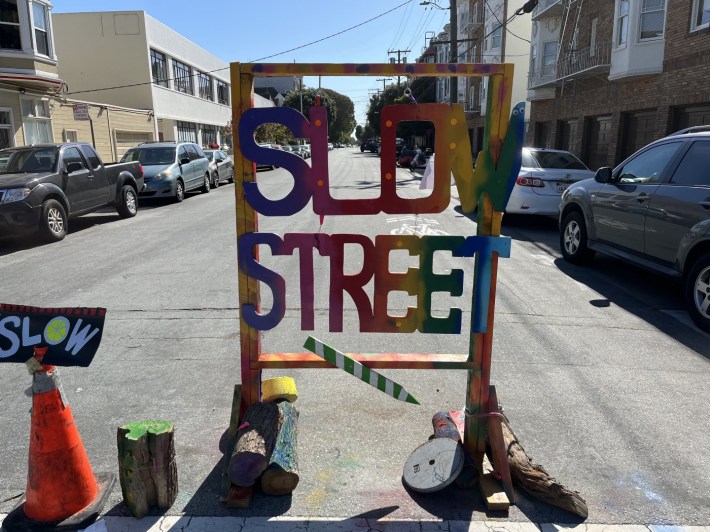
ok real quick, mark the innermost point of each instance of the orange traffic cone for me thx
(62, 491)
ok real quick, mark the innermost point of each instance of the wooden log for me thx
(536, 482)
(146, 465)
(255, 443)
(281, 476)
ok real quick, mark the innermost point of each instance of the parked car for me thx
(652, 210)
(43, 186)
(221, 167)
(171, 168)
(543, 176)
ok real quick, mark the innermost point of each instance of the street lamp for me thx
(453, 45)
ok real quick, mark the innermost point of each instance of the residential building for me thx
(28, 72)
(607, 78)
(135, 61)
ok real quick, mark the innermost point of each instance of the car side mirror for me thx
(74, 167)
(185, 160)
(603, 175)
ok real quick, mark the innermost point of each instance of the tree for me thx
(273, 134)
(358, 132)
(344, 119)
(293, 100)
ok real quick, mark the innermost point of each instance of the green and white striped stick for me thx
(354, 368)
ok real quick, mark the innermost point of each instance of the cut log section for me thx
(281, 476)
(146, 465)
(255, 443)
(535, 481)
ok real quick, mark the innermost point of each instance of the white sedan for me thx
(544, 176)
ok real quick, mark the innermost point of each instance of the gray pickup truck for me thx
(43, 186)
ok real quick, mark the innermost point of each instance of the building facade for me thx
(28, 72)
(607, 78)
(135, 61)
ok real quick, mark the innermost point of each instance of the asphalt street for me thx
(600, 371)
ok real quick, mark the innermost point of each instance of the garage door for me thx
(639, 130)
(692, 116)
(567, 134)
(598, 139)
(128, 139)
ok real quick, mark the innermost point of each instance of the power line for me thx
(253, 60)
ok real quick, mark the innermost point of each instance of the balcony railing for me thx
(548, 8)
(586, 60)
(580, 63)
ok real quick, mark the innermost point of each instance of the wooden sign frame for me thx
(477, 193)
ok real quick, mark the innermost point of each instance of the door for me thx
(78, 185)
(680, 204)
(691, 116)
(98, 194)
(198, 175)
(186, 169)
(619, 210)
(598, 139)
(567, 135)
(639, 131)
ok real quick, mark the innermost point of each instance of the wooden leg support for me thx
(225, 483)
(497, 443)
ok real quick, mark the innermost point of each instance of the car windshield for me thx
(29, 160)
(150, 156)
(557, 160)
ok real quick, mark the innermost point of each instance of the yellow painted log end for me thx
(279, 388)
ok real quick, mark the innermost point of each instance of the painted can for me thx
(433, 465)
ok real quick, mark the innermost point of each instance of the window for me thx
(191, 153)
(622, 27)
(39, 16)
(72, 155)
(182, 154)
(222, 92)
(9, 25)
(91, 156)
(593, 38)
(204, 84)
(497, 37)
(689, 171)
(209, 135)
(36, 121)
(6, 136)
(652, 18)
(549, 57)
(648, 167)
(159, 67)
(700, 14)
(182, 77)
(186, 132)
(70, 135)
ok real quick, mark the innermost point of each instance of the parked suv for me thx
(652, 210)
(171, 168)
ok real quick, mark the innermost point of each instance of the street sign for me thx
(81, 111)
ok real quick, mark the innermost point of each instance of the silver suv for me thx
(652, 210)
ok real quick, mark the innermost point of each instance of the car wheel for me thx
(128, 207)
(179, 191)
(697, 292)
(206, 184)
(215, 180)
(231, 176)
(573, 239)
(54, 222)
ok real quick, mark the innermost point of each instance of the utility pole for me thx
(383, 80)
(399, 58)
(454, 52)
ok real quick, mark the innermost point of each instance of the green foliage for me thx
(274, 134)
(344, 119)
(293, 100)
(358, 132)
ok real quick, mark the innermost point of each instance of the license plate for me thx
(561, 188)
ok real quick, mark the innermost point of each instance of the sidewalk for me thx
(288, 524)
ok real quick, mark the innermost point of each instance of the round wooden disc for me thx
(433, 465)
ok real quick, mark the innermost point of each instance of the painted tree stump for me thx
(255, 443)
(146, 465)
(281, 476)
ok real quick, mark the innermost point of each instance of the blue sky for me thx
(240, 30)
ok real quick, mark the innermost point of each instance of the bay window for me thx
(41, 32)
(653, 14)
(9, 26)
(622, 27)
(700, 14)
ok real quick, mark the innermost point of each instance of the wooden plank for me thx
(373, 69)
(371, 360)
(498, 448)
(493, 493)
(239, 497)
(232, 431)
